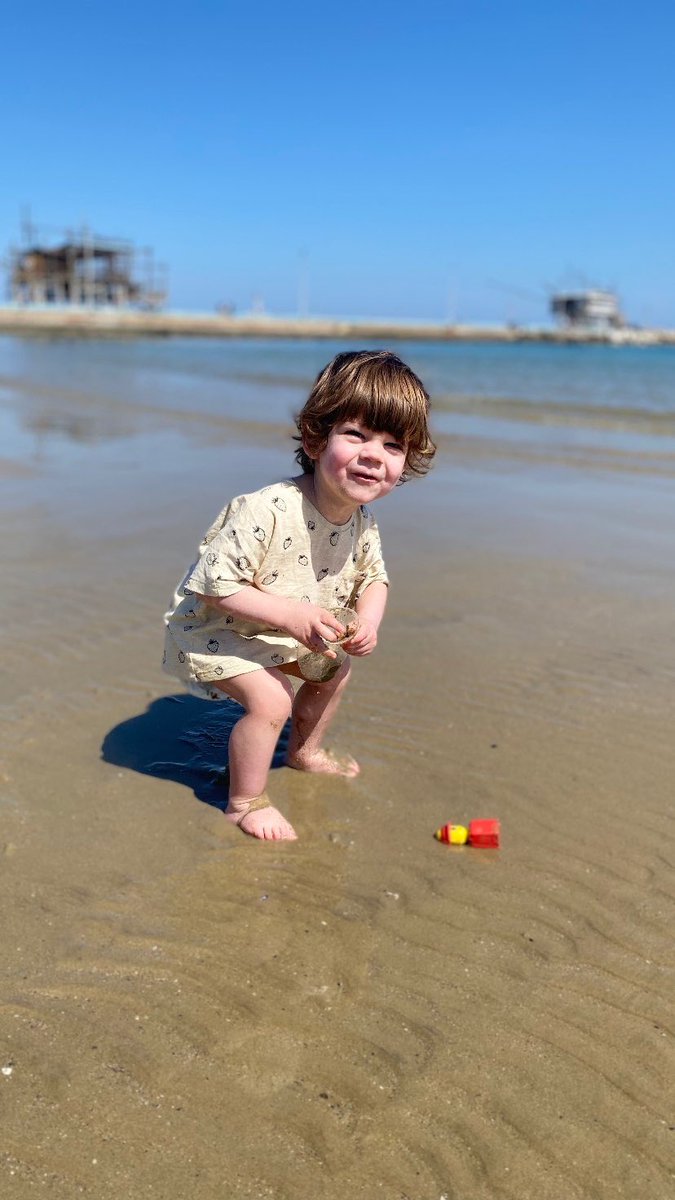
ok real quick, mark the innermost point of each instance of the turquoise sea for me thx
(533, 397)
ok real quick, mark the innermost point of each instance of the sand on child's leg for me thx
(313, 710)
(267, 698)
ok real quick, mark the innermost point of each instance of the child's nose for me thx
(372, 450)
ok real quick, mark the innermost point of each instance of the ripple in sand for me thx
(486, 1035)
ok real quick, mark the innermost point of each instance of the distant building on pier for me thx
(589, 311)
(84, 270)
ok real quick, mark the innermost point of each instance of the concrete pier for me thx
(109, 322)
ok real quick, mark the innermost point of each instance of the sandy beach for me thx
(364, 1013)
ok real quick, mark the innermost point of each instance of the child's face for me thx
(357, 465)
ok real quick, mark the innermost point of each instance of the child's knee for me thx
(278, 714)
(266, 695)
(277, 705)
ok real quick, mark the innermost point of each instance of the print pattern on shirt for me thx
(251, 540)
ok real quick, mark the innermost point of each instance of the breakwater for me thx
(93, 322)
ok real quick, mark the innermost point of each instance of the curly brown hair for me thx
(376, 387)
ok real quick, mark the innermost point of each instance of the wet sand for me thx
(364, 1012)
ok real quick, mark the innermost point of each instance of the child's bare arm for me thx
(309, 624)
(370, 607)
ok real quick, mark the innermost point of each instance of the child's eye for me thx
(354, 433)
(397, 446)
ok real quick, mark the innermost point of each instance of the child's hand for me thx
(363, 641)
(313, 626)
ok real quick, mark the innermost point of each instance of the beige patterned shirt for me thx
(277, 540)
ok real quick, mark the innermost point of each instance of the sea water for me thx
(536, 395)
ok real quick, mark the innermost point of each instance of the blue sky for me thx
(429, 161)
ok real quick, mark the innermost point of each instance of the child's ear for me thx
(312, 449)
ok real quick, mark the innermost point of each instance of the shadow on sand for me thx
(183, 739)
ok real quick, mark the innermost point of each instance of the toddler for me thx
(276, 561)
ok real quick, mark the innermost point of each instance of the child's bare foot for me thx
(322, 762)
(260, 819)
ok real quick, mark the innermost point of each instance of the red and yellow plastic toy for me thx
(484, 832)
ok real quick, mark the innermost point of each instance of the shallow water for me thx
(588, 376)
(626, 389)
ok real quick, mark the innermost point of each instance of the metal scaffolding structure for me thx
(83, 269)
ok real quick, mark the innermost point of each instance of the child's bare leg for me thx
(267, 697)
(314, 708)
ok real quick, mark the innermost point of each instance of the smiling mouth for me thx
(362, 478)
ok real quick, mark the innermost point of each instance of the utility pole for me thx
(28, 230)
(303, 284)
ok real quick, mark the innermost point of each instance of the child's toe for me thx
(269, 825)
